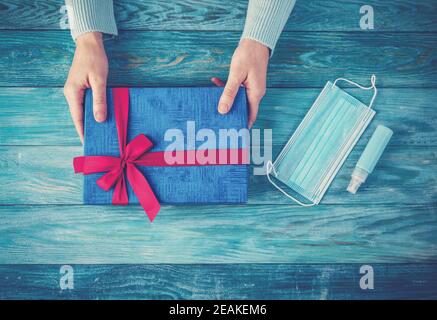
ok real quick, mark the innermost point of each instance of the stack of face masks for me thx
(320, 145)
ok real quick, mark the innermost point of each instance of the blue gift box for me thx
(153, 111)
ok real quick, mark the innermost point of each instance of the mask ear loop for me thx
(373, 86)
(269, 170)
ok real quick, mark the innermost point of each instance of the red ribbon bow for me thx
(130, 155)
(135, 153)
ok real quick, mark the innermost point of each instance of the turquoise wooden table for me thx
(268, 248)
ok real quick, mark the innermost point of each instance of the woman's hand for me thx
(88, 70)
(248, 68)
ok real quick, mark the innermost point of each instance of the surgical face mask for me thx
(320, 145)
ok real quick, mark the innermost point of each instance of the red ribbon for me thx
(135, 153)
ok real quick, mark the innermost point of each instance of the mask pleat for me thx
(301, 126)
(319, 146)
(361, 114)
(297, 150)
(325, 152)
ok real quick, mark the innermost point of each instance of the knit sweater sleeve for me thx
(265, 20)
(91, 16)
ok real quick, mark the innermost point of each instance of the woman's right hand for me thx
(88, 70)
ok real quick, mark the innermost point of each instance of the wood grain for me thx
(223, 281)
(219, 234)
(141, 58)
(40, 116)
(227, 15)
(44, 175)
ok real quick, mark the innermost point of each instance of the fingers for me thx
(229, 93)
(218, 82)
(254, 102)
(74, 96)
(99, 98)
(254, 97)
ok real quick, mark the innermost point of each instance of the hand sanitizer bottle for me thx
(370, 156)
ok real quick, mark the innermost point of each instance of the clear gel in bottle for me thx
(370, 156)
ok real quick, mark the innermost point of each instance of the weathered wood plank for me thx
(218, 234)
(227, 15)
(139, 58)
(223, 281)
(39, 116)
(44, 175)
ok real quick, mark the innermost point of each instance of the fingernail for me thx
(223, 108)
(100, 116)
